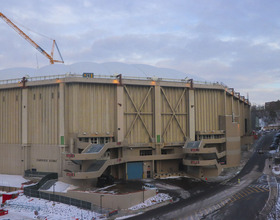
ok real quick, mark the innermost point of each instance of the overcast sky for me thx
(234, 42)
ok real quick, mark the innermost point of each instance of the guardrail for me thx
(69, 75)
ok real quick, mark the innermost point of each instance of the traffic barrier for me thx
(3, 212)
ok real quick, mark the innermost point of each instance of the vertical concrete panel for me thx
(24, 124)
(43, 110)
(10, 116)
(192, 119)
(209, 105)
(10, 159)
(120, 113)
(229, 104)
(91, 108)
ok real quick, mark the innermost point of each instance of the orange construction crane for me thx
(21, 33)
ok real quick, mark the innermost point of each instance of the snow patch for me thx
(11, 180)
(62, 187)
(25, 207)
(159, 198)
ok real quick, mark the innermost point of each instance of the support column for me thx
(120, 114)
(61, 126)
(24, 134)
(157, 117)
(225, 102)
(24, 130)
(191, 115)
(232, 108)
(61, 114)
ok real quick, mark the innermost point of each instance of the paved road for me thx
(250, 198)
(249, 206)
(245, 204)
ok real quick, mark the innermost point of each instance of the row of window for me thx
(40, 96)
(34, 96)
(150, 152)
(96, 140)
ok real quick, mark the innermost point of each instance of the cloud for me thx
(235, 42)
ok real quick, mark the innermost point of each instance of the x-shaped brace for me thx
(174, 114)
(138, 112)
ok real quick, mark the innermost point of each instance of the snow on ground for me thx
(171, 177)
(183, 193)
(11, 180)
(62, 187)
(25, 206)
(103, 190)
(275, 213)
(159, 198)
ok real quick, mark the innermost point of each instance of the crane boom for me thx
(29, 40)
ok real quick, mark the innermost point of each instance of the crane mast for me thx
(29, 40)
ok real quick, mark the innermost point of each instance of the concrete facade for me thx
(85, 127)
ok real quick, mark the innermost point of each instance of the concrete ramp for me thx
(96, 166)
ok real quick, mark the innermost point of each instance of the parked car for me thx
(275, 142)
(104, 180)
(150, 186)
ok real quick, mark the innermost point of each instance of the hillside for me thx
(109, 68)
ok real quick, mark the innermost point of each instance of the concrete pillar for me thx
(157, 120)
(120, 114)
(61, 114)
(157, 115)
(24, 124)
(225, 102)
(191, 115)
(71, 148)
(232, 108)
(61, 127)
(24, 131)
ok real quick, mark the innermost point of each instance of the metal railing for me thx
(33, 191)
(71, 75)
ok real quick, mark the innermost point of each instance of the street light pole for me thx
(53, 188)
(53, 193)
(143, 193)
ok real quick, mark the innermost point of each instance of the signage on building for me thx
(88, 75)
(70, 174)
(195, 162)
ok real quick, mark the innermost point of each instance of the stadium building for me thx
(83, 126)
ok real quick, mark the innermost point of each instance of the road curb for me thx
(272, 199)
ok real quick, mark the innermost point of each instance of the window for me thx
(94, 140)
(107, 140)
(146, 152)
(83, 139)
(167, 151)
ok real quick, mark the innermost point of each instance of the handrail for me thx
(67, 75)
